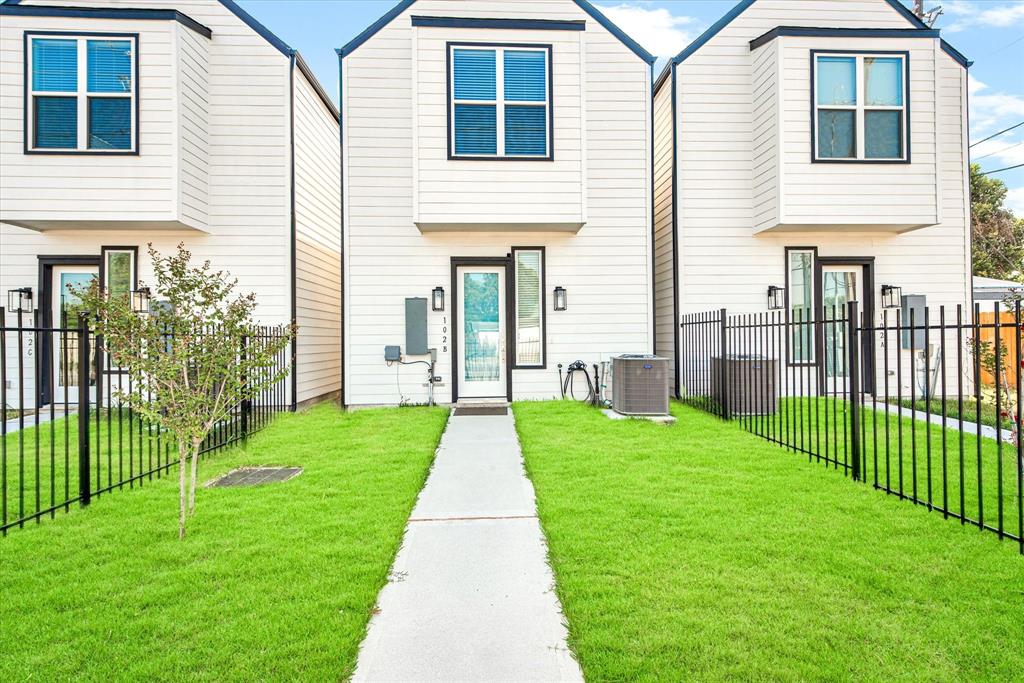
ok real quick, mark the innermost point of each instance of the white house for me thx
(125, 122)
(497, 198)
(816, 147)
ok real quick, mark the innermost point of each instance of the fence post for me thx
(84, 487)
(853, 385)
(246, 405)
(724, 351)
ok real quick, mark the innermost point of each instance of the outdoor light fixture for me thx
(776, 298)
(437, 301)
(892, 296)
(140, 300)
(19, 300)
(560, 299)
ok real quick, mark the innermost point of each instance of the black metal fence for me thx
(924, 406)
(67, 435)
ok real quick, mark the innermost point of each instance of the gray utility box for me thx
(752, 383)
(640, 385)
(415, 326)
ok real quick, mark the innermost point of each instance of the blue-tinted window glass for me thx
(110, 123)
(884, 76)
(836, 134)
(525, 76)
(883, 135)
(109, 65)
(476, 129)
(54, 65)
(526, 130)
(56, 122)
(837, 80)
(475, 76)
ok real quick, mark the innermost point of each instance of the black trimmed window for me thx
(529, 307)
(499, 101)
(800, 300)
(860, 104)
(82, 93)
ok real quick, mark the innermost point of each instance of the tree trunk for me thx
(195, 475)
(182, 460)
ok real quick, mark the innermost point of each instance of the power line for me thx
(999, 170)
(995, 135)
(1004, 149)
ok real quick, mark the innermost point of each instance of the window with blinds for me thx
(500, 101)
(83, 93)
(529, 304)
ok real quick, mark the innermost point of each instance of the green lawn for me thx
(952, 408)
(271, 583)
(895, 446)
(700, 551)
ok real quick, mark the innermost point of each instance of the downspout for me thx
(341, 221)
(675, 238)
(292, 228)
(654, 299)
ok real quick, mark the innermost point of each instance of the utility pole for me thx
(927, 16)
(919, 9)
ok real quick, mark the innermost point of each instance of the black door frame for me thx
(867, 309)
(45, 312)
(458, 262)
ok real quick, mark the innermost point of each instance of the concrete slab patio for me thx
(471, 596)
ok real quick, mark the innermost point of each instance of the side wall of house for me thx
(666, 325)
(317, 244)
(605, 267)
(192, 93)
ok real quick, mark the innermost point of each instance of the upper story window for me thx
(860, 107)
(82, 92)
(500, 101)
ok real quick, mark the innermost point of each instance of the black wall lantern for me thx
(892, 297)
(437, 300)
(561, 303)
(140, 300)
(776, 298)
(19, 300)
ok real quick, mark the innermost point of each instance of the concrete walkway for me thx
(471, 596)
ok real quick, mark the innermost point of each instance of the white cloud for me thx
(1015, 200)
(967, 13)
(660, 32)
(991, 110)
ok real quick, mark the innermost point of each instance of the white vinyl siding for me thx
(395, 161)
(731, 251)
(664, 261)
(318, 243)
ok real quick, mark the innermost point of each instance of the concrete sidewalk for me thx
(471, 596)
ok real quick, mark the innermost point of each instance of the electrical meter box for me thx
(416, 326)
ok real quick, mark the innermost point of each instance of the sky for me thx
(989, 32)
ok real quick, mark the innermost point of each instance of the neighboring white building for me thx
(125, 122)
(819, 147)
(499, 153)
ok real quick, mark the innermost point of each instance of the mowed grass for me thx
(698, 551)
(275, 582)
(958, 472)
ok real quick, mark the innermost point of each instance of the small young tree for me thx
(192, 359)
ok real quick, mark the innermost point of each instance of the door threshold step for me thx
(465, 409)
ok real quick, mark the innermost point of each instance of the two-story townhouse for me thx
(124, 123)
(818, 148)
(497, 198)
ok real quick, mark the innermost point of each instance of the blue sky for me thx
(990, 32)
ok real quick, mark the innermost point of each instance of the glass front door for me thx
(840, 285)
(65, 308)
(481, 332)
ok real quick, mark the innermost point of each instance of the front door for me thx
(65, 305)
(840, 285)
(481, 332)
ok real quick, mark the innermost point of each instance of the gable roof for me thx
(584, 5)
(716, 27)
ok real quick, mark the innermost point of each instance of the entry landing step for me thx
(480, 407)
